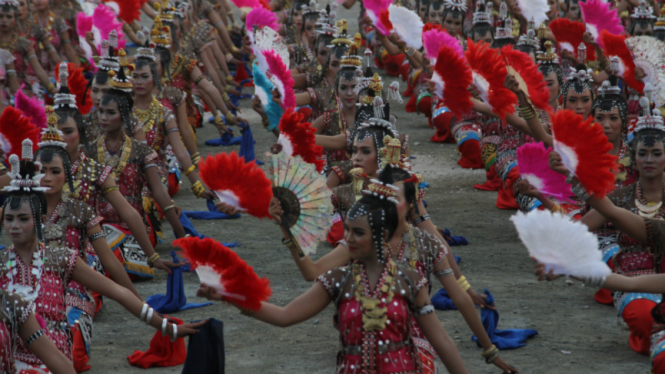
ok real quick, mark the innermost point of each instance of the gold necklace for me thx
(374, 308)
(117, 163)
(148, 116)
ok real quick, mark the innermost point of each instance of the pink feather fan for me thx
(434, 40)
(281, 78)
(377, 11)
(598, 16)
(31, 107)
(261, 17)
(101, 23)
(533, 161)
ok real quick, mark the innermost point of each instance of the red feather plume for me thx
(615, 45)
(570, 34)
(584, 149)
(486, 62)
(237, 283)
(238, 183)
(14, 128)
(298, 135)
(452, 78)
(520, 65)
(432, 26)
(129, 10)
(77, 85)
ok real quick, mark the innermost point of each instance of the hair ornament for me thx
(482, 14)
(341, 37)
(11, 3)
(643, 11)
(649, 121)
(19, 181)
(504, 28)
(549, 57)
(383, 191)
(529, 39)
(458, 5)
(146, 52)
(51, 135)
(581, 76)
(608, 89)
(393, 92)
(119, 81)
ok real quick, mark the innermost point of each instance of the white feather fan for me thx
(265, 39)
(562, 245)
(534, 11)
(407, 24)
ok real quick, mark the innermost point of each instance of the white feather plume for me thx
(407, 24)
(266, 39)
(534, 10)
(564, 246)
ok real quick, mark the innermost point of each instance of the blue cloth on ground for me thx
(212, 213)
(225, 140)
(442, 301)
(247, 144)
(503, 339)
(453, 240)
(175, 299)
(189, 229)
(205, 352)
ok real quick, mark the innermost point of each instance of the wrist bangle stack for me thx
(288, 243)
(491, 354)
(174, 337)
(463, 283)
(440, 273)
(247, 312)
(197, 188)
(32, 55)
(597, 282)
(33, 337)
(95, 236)
(580, 192)
(165, 323)
(218, 23)
(196, 157)
(527, 112)
(230, 79)
(152, 259)
(225, 97)
(190, 170)
(421, 219)
(230, 117)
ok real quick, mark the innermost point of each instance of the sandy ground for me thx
(576, 335)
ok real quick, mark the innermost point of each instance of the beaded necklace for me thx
(148, 116)
(36, 270)
(52, 230)
(374, 309)
(412, 248)
(117, 163)
(10, 45)
(647, 209)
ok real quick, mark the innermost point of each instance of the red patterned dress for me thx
(181, 72)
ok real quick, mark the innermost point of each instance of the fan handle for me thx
(286, 227)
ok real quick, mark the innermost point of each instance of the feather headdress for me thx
(263, 90)
(584, 149)
(297, 139)
(564, 246)
(534, 10)
(31, 107)
(222, 269)
(261, 17)
(77, 85)
(408, 25)
(570, 35)
(530, 79)
(127, 10)
(452, 78)
(598, 16)
(377, 11)
(240, 184)
(434, 40)
(489, 74)
(615, 46)
(281, 78)
(533, 160)
(14, 128)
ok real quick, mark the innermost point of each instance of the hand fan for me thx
(452, 78)
(533, 160)
(584, 149)
(564, 246)
(530, 79)
(247, 5)
(127, 10)
(305, 199)
(407, 24)
(222, 269)
(263, 90)
(240, 184)
(281, 78)
(489, 75)
(598, 16)
(77, 85)
(377, 11)
(534, 11)
(14, 128)
(649, 54)
(570, 35)
(297, 139)
(260, 18)
(615, 46)
(31, 107)
(268, 39)
(434, 40)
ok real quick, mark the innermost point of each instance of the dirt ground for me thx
(576, 335)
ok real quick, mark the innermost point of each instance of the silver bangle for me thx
(569, 178)
(165, 323)
(174, 332)
(11, 72)
(443, 272)
(218, 23)
(95, 236)
(427, 309)
(148, 318)
(144, 311)
(31, 56)
(580, 192)
(597, 282)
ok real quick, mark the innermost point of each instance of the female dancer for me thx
(372, 280)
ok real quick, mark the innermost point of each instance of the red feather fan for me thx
(452, 78)
(297, 139)
(570, 34)
(489, 68)
(519, 64)
(240, 184)
(432, 26)
(14, 128)
(77, 85)
(128, 10)
(584, 149)
(615, 45)
(222, 269)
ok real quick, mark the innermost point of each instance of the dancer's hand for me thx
(541, 274)
(208, 195)
(275, 210)
(187, 329)
(556, 164)
(226, 208)
(512, 84)
(503, 366)
(479, 300)
(208, 293)
(527, 189)
(166, 265)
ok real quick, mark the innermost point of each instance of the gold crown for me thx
(119, 83)
(375, 83)
(51, 117)
(164, 11)
(160, 33)
(542, 31)
(51, 135)
(383, 191)
(358, 40)
(352, 59)
(122, 57)
(391, 153)
(548, 56)
(341, 38)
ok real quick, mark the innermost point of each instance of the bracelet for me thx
(427, 309)
(597, 282)
(148, 317)
(165, 322)
(225, 97)
(199, 79)
(172, 206)
(64, 41)
(288, 243)
(218, 68)
(32, 55)
(196, 157)
(218, 23)
(230, 117)
(95, 236)
(174, 129)
(33, 337)
(110, 189)
(527, 112)
(11, 72)
(190, 170)
(50, 87)
(569, 178)
(229, 79)
(580, 192)
(152, 259)
(197, 188)
(174, 332)
(463, 283)
(410, 51)
(491, 354)
(144, 310)
(440, 273)
(556, 208)
(421, 219)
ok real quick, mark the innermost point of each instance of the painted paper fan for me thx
(263, 90)
(564, 246)
(615, 47)
(489, 74)
(649, 54)
(533, 160)
(584, 149)
(305, 199)
(31, 107)
(408, 25)
(222, 269)
(297, 139)
(14, 128)
(240, 184)
(452, 78)
(534, 10)
(377, 11)
(598, 16)
(281, 78)
(570, 35)
(260, 18)
(530, 79)
(434, 40)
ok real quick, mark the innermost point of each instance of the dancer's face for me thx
(452, 24)
(552, 85)
(347, 93)
(333, 67)
(110, 118)
(97, 91)
(650, 161)
(7, 20)
(487, 38)
(310, 31)
(322, 53)
(554, 11)
(363, 155)
(579, 103)
(641, 30)
(611, 123)
(23, 9)
(19, 224)
(54, 176)
(358, 236)
(422, 10)
(574, 12)
(40, 4)
(143, 81)
(70, 134)
(436, 16)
